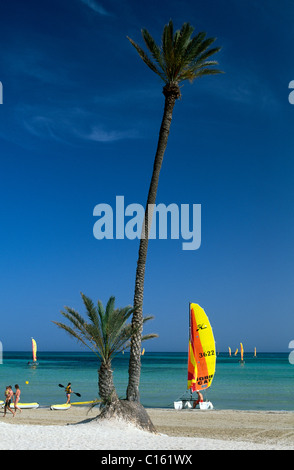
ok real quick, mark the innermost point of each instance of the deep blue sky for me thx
(79, 126)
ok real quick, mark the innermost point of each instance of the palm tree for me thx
(180, 57)
(106, 333)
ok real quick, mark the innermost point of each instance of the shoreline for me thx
(184, 429)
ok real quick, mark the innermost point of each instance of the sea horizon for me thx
(41, 351)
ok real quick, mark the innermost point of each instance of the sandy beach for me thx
(77, 429)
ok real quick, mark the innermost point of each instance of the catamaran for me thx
(34, 352)
(242, 362)
(201, 358)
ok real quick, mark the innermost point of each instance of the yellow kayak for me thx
(85, 402)
(65, 406)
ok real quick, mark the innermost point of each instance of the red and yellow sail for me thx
(201, 356)
(34, 348)
(242, 351)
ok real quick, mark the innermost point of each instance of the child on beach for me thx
(8, 399)
(17, 396)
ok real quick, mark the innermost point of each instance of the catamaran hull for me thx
(185, 404)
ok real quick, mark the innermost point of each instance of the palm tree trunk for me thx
(105, 383)
(171, 93)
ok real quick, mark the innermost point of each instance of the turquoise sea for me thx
(263, 383)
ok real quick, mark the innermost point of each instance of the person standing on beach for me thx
(68, 392)
(8, 399)
(17, 396)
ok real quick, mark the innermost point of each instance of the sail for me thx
(201, 356)
(230, 351)
(236, 352)
(34, 347)
(242, 351)
(254, 352)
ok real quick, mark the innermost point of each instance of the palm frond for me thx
(76, 320)
(203, 72)
(179, 53)
(182, 39)
(148, 318)
(168, 50)
(207, 54)
(167, 39)
(109, 308)
(153, 48)
(73, 316)
(120, 340)
(202, 47)
(146, 59)
(69, 330)
(101, 310)
(91, 309)
(74, 334)
(192, 48)
(149, 336)
(120, 331)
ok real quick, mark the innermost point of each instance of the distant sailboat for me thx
(34, 352)
(254, 352)
(236, 352)
(242, 354)
(230, 352)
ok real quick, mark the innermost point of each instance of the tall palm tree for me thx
(106, 333)
(180, 57)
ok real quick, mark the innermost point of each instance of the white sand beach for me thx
(75, 429)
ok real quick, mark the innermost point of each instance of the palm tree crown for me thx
(179, 57)
(106, 333)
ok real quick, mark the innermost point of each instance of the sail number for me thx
(207, 354)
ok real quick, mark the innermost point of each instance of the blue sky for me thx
(78, 127)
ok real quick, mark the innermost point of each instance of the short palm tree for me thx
(180, 57)
(106, 333)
